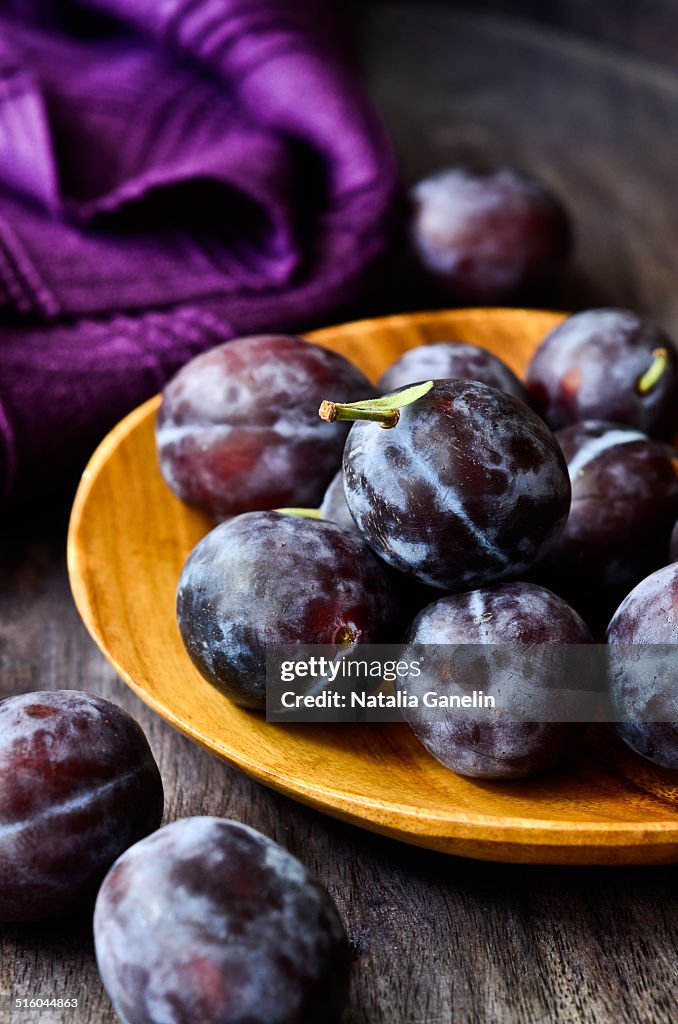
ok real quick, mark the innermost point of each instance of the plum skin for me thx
(505, 613)
(333, 506)
(208, 920)
(238, 428)
(589, 366)
(78, 785)
(640, 687)
(624, 502)
(443, 360)
(410, 596)
(266, 578)
(487, 235)
(470, 486)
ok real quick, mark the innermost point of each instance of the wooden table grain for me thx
(436, 940)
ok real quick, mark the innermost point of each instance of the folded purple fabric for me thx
(172, 173)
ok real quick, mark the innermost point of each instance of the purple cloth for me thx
(182, 172)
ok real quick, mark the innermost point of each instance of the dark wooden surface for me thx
(436, 939)
(599, 127)
(647, 27)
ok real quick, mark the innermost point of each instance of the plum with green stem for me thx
(607, 364)
(453, 482)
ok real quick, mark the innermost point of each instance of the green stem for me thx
(334, 412)
(385, 410)
(660, 360)
(308, 513)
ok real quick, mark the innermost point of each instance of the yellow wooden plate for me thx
(128, 539)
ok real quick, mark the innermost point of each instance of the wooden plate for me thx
(128, 539)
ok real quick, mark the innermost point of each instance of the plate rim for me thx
(570, 836)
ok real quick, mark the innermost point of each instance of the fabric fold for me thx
(180, 160)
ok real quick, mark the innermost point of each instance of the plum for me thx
(673, 544)
(78, 785)
(266, 578)
(238, 428)
(468, 487)
(487, 235)
(333, 506)
(643, 667)
(410, 595)
(492, 624)
(443, 360)
(607, 364)
(624, 504)
(210, 921)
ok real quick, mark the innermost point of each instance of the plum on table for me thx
(210, 921)
(78, 785)
(487, 235)
(238, 428)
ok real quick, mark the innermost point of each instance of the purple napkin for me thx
(173, 173)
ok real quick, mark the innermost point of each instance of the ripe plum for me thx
(208, 920)
(510, 744)
(451, 359)
(624, 504)
(265, 578)
(485, 236)
(607, 364)
(78, 785)
(643, 679)
(238, 428)
(333, 506)
(469, 487)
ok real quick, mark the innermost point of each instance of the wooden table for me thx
(435, 939)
